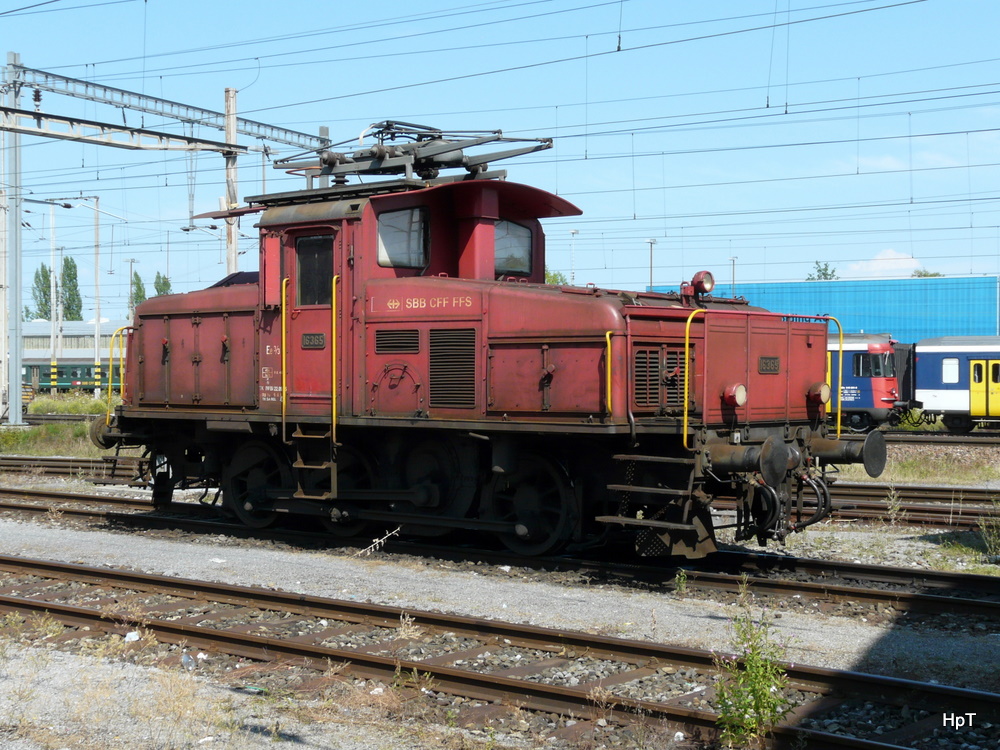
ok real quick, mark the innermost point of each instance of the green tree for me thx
(72, 303)
(923, 273)
(556, 278)
(138, 295)
(41, 293)
(822, 272)
(161, 285)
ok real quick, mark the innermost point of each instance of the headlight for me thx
(703, 282)
(735, 395)
(819, 393)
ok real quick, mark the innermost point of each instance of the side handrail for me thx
(687, 371)
(284, 354)
(119, 338)
(840, 369)
(333, 359)
(607, 376)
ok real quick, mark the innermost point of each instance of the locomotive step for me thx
(302, 495)
(310, 435)
(652, 459)
(648, 490)
(625, 521)
(300, 464)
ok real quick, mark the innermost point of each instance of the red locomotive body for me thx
(398, 359)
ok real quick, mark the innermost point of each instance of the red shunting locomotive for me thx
(398, 360)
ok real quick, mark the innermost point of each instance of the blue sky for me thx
(777, 133)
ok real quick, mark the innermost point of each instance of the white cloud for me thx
(885, 263)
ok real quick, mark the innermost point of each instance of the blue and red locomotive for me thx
(865, 369)
(399, 360)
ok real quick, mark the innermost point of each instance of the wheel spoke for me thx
(535, 499)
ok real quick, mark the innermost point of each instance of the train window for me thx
(977, 373)
(888, 365)
(513, 248)
(995, 372)
(874, 365)
(313, 269)
(402, 238)
(949, 370)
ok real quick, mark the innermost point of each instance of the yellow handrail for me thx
(284, 354)
(607, 383)
(118, 336)
(333, 359)
(687, 369)
(840, 369)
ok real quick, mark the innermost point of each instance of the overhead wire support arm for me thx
(132, 100)
(28, 122)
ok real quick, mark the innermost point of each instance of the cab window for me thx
(889, 365)
(313, 270)
(865, 366)
(402, 238)
(512, 244)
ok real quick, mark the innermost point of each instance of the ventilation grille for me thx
(673, 377)
(659, 377)
(453, 367)
(397, 342)
(647, 377)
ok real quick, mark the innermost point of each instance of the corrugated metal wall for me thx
(908, 309)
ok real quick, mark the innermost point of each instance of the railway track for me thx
(960, 507)
(830, 586)
(584, 676)
(931, 437)
(110, 468)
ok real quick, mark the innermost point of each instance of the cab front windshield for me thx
(880, 365)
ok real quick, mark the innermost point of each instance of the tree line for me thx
(68, 292)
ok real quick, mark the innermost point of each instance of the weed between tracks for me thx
(751, 694)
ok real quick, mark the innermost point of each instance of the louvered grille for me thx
(647, 377)
(453, 367)
(673, 381)
(397, 342)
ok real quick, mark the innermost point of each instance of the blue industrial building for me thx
(908, 309)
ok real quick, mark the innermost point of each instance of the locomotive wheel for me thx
(447, 488)
(860, 423)
(255, 468)
(354, 472)
(536, 499)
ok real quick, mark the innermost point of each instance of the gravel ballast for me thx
(44, 713)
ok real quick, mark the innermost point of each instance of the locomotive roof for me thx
(516, 200)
